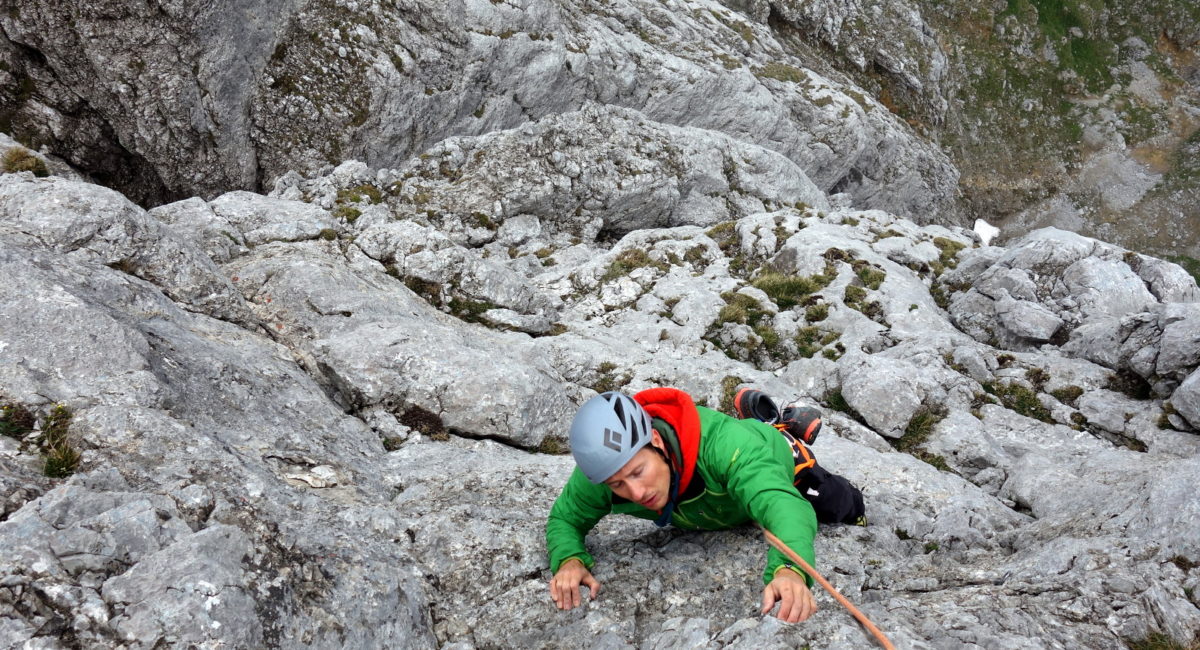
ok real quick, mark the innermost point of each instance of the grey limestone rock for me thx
(1186, 399)
(353, 465)
(235, 94)
(1064, 276)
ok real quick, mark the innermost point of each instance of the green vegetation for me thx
(556, 445)
(347, 212)
(931, 547)
(811, 340)
(836, 401)
(918, 430)
(425, 422)
(790, 290)
(1164, 419)
(1068, 395)
(15, 421)
(729, 386)
(1130, 384)
(740, 308)
(61, 456)
(359, 193)
(628, 260)
(1038, 377)
(470, 311)
(328, 234)
(608, 378)
(392, 443)
(871, 276)
(1189, 264)
(1020, 399)
(781, 72)
(855, 298)
(1160, 641)
(816, 313)
(949, 254)
(902, 534)
(20, 159)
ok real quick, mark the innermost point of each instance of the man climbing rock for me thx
(659, 456)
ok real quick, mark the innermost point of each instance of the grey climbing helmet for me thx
(607, 431)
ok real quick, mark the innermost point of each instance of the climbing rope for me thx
(783, 548)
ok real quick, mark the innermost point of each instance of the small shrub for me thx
(426, 422)
(918, 429)
(20, 159)
(328, 234)
(392, 443)
(931, 547)
(902, 534)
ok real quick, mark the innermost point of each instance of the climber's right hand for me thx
(565, 585)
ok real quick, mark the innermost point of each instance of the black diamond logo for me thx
(612, 439)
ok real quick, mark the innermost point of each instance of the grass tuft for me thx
(20, 159)
(729, 386)
(15, 421)
(61, 456)
(790, 290)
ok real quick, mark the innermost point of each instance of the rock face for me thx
(321, 418)
(234, 94)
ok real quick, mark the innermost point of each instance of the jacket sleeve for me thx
(758, 477)
(579, 506)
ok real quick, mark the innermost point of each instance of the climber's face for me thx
(645, 479)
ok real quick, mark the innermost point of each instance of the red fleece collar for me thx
(679, 411)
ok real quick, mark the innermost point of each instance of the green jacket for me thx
(747, 469)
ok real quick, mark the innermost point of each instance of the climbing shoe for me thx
(753, 404)
(803, 422)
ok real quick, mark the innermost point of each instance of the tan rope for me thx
(783, 548)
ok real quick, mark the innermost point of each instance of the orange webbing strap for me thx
(800, 453)
(783, 548)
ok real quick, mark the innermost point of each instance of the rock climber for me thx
(659, 456)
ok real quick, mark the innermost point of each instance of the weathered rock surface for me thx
(347, 462)
(233, 95)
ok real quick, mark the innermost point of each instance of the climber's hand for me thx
(796, 602)
(564, 586)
